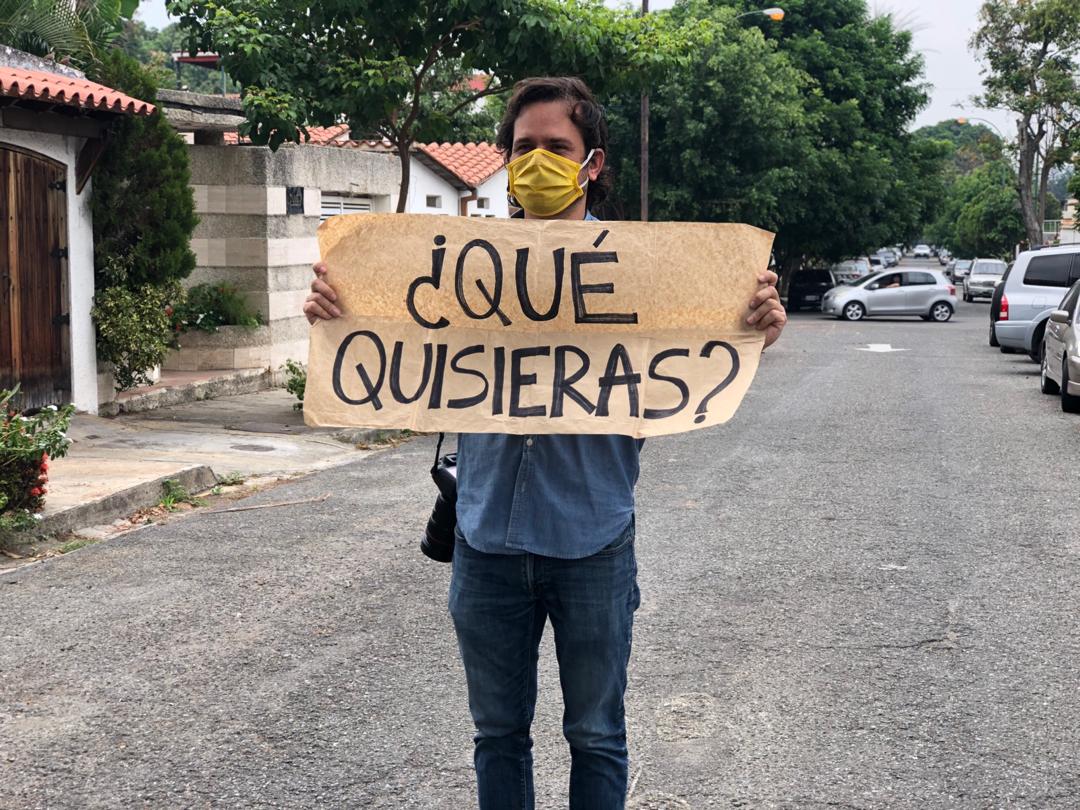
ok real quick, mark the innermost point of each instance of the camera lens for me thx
(438, 542)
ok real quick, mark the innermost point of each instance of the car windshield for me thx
(859, 282)
(963, 264)
(989, 268)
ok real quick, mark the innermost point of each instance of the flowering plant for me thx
(27, 443)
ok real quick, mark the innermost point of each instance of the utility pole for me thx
(644, 140)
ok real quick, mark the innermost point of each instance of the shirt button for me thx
(529, 442)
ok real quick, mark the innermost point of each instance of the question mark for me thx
(706, 351)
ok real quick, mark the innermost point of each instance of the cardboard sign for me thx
(513, 326)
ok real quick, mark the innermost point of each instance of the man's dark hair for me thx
(586, 114)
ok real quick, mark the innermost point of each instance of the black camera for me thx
(438, 542)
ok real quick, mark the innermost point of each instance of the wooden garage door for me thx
(33, 278)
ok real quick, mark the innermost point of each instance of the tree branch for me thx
(487, 91)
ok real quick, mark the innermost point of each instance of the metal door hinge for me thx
(59, 253)
(62, 320)
(58, 185)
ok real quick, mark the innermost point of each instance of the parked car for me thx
(960, 268)
(921, 252)
(1030, 293)
(808, 287)
(1061, 353)
(877, 264)
(926, 293)
(995, 307)
(889, 257)
(944, 257)
(850, 270)
(985, 276)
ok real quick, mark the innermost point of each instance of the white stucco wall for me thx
(80, 243)
(424, 182)
(494, 188)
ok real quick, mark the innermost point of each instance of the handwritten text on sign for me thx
(515, 326)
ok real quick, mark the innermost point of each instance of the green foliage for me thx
(154, 49)
(174, 493)
(27, 443)
(206, 307)
(1031, 55)
(143, 205)
(77, 32)
(394, 69)
(133, 329)
(723, 126)
(972, 145)
(295, 381)
(231, 479)
(981, 213)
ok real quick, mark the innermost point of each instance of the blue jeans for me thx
(499, 604)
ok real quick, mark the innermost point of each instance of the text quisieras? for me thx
(370, 371)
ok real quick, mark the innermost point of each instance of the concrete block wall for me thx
(246, 238)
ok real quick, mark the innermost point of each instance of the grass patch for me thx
(174, 494)
(75, 545)
(232, 479)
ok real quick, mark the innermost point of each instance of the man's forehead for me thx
(547, 120)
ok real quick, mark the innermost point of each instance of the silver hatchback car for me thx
(1061, 352)
(926, 293)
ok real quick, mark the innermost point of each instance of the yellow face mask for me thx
(544, 183)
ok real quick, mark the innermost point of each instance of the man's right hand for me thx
(320, 303)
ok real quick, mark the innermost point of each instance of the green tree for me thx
(393, 69)
(154, 50)
(142, 201)
(723, 127)
(76, 31)
(855, 181)
(981, 214)
(973, 144)
(1030, 52)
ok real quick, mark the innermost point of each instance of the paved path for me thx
(862, 592)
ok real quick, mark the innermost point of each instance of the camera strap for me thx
(438, 451)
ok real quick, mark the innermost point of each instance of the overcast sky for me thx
(942, 29)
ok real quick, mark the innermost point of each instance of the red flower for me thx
(44, 456)
(36, 492)
(44, 466)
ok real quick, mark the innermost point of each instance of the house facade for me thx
(52, 128)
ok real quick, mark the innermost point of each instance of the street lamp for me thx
(773, 13)
(965, 120)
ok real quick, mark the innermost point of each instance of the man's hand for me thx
(767, 314)
(320, 304)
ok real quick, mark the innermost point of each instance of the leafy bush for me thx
(27, 443)
(208, 306)
(133, 329)
(296, 381)
(143, 204)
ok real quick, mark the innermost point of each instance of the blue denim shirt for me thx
(554, 495)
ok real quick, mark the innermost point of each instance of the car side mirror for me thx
(1060, 316)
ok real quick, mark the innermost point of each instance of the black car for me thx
(808, 287)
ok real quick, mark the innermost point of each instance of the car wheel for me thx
(1036, 352)
(1046, 385)
(1008, 350)
(854, 311)
(993, 337)
(1070, 403)
(925, 317)
(941, 311)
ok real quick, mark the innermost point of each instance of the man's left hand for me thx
(767, 314)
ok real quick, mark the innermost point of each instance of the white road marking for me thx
(880, 348)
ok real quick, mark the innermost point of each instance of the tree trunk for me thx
(404, 148)
(1044, 181)
(1027, 147)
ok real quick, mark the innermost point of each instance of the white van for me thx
(1032, 289)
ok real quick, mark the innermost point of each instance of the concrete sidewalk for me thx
(118, 465)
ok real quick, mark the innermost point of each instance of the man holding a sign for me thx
(551, 345)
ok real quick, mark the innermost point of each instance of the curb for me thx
(230, 383)
(121, 504)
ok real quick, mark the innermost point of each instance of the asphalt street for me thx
(861, 592)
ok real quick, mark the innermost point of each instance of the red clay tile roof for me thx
(472, 162)
(323, 135)
(68, 92)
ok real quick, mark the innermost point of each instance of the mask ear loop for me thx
(585, 165)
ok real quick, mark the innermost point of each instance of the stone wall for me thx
(247, 237)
